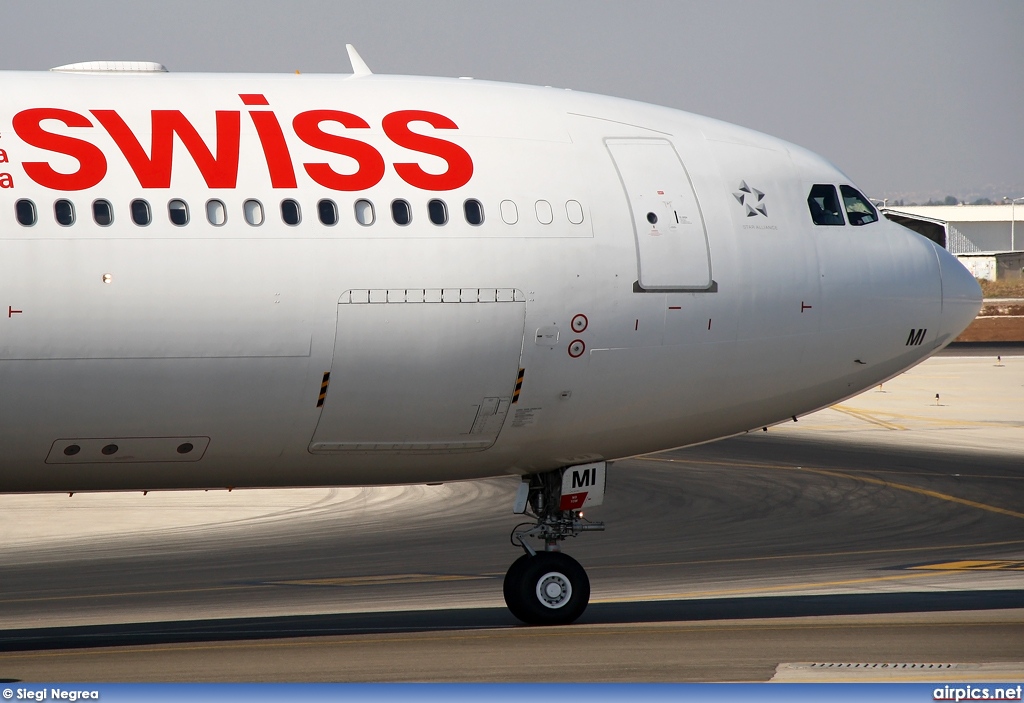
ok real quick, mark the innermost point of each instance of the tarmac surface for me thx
(887, 529)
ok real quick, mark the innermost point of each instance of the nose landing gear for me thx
(548, 587)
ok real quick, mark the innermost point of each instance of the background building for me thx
(965, 229)
(984, 237)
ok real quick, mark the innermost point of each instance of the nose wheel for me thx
(547, 588)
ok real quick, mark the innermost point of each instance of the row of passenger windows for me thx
(823, 203)
(252, 212)
(291, 213)
(826, 210)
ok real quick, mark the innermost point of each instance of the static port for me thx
(652, 218)
(72, 449)
(185, 448)
(109, 449)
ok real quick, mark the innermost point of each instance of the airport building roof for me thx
(964, 213)
(964, 229)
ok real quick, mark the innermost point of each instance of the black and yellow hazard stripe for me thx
(519, 386)
(323, 389)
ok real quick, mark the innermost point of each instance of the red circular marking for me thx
(579, 323)
(578, 346)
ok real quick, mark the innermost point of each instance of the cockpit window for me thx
(824, 204)
(859, 209)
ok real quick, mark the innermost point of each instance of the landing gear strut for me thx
(548, 587)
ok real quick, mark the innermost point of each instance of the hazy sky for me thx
(911, 99)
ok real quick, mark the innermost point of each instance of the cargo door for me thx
(671, 239)
(419, 370)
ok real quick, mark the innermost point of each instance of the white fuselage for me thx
(194, 355)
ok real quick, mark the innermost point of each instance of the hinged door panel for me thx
(422, 370)
(671, 241)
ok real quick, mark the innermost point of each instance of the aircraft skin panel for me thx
(163, 300)
(422, 370)
(149, 338)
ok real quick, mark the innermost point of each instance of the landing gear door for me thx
(671, 239)
(422, 371)
(583, 486)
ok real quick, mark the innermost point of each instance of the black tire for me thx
(512, 587)
(550, 588)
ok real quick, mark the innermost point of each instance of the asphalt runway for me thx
(887, 529)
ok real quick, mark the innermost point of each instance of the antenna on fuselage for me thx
(359, 67)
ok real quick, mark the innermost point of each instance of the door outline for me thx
(409, 402)
(688, 201)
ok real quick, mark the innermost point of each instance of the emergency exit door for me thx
(671, 240)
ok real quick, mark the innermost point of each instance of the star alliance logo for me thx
(752, 199)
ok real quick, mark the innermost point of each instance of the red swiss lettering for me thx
(275, 148)
(92, 164)
(253, 99)
(460, 165)
(154, 170)
(371, 163)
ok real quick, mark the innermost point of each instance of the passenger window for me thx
(474, 212)
(574, 211)
(141, 214)
(438, 212)
(364, 213)
(509, 212)
(64, 212)
(216, 213)
(290, 212)
(26, 212)
(544, 215)
(824, 205)
(102, 212)
(328, 212)
(253, 211)
(177, 210)
(859, 209)
(401, 213)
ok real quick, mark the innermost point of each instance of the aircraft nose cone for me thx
(961, 295)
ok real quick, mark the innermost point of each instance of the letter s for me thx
(371, 163)
(460, 164)
(93, 164)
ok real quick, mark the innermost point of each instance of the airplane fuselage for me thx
(379, 279)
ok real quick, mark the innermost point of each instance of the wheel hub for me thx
(554, 590)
